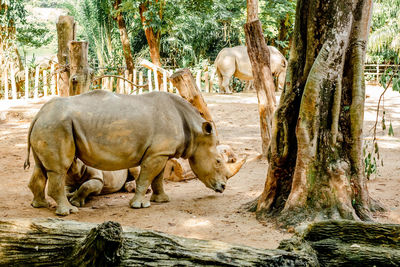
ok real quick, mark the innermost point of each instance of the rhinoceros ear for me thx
(207, 128)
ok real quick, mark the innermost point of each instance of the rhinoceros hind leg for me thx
(93, 186)
(37, 185)
(150, 169)
(56, 190)
(224, 85)
(159, 195)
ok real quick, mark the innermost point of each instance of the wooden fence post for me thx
(198, 79)
(26, 83)
(377, 72)
(45, 87)
(128, 88)
(156, 85)
(5, 83)
(65, 34)
(13, 84)
(111, 84)
(206, 82)
(140, 82)
(52, 80)
(36, 90)
(57, 88)
(134, 81)
(212, 81)
(165, 82)
(80, 73)
(149, 80)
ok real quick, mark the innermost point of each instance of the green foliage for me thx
(384, 41)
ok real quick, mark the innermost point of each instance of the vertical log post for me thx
(111, 84)
(212, 81)
(183, 80)
(26, 83)
(36, 89)
(134, 81)
(149, 80)
(45, 87)
(156, 84)
(5, 83)
(127, 86)
(80, 73)
(52, 80)
(140, 82)
(198, 80)
(165, 82)
(13, 84)
(260, 61)
(206, 82)
(65, 33)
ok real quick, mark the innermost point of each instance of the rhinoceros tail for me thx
(27, 164)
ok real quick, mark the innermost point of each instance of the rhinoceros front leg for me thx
(150, 168)
(93, 186)
(37, 185)
(157, 185)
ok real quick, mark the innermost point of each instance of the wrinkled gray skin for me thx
(82, 181)
(234, 61)
(114, 132)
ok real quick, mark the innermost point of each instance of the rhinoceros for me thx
(235, 61)
(110, 132)
(82, 180)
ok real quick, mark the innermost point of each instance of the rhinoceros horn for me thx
(233, 168)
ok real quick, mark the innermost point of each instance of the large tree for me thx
(315, 158)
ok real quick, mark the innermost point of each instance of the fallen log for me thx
(60, 242)
(348, 243)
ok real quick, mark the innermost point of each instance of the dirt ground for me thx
(195, 211)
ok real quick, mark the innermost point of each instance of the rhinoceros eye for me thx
(218, 161)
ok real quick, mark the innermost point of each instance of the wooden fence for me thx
(34, 83)
(375, 71)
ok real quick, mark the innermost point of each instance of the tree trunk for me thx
(55, 242)
(65, 33)
(263, 80)
(315, 160)
(126, 46)
(183, 80)
(349, 243)
(80, 72)
(153, 38)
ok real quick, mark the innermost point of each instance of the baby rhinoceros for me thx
(110, 132)
(82, 181)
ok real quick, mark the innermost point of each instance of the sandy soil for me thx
(194, 210)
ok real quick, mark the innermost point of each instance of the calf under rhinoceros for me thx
(113, 132)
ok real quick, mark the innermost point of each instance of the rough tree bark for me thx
(263, 80)
(54, 242)
(315, 160)
(65, 33)
(81, 74)
(153, 37)
(126, 46)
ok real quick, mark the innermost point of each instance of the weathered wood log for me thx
(349, 243)
(54, 242)
(81, 74)
(178, 170)
(183, 80)
(65, 34)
